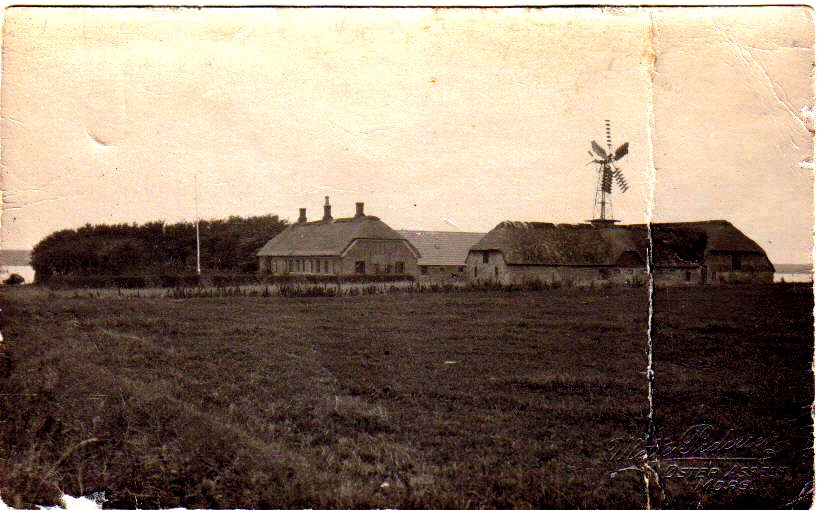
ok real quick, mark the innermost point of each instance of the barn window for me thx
(485, 256)
(400, 267)
(359, 267)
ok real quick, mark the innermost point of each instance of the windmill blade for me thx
(621, 151)
(599, 150)
(620, 179)
(606, 180)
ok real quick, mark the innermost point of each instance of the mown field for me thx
(434, 400)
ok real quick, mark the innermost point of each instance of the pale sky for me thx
(436, 119)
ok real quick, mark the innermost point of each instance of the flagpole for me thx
(196, 214)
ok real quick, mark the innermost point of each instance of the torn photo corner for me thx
(407, 257)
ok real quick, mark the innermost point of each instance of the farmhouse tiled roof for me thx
(327, 237)
(674, 244)
(439, 248)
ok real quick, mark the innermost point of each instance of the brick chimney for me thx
(359, 209)
(327, 216)
(302, 215)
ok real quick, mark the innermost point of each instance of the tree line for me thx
(228, 245)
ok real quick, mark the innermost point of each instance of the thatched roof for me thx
(674, 244)
(534, 243)
(721, 236)
(327, 238)
(441, 248)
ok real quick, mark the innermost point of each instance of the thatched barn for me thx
(442, 255)
(359, 245)
(693, 252)
(707, 252)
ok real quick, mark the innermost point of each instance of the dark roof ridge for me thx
(336, 220)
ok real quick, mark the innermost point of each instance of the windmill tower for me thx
(607, 172)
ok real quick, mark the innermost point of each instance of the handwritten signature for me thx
(703, 456)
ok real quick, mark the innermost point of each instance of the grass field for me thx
(457, 400)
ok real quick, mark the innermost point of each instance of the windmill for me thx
(607, 172)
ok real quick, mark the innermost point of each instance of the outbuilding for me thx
(684, 253)
(442, 254)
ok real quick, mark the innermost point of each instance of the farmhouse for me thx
(693, 252)
(443, 255)
(362, 245)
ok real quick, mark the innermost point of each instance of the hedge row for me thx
(123, 282)
(217, 280)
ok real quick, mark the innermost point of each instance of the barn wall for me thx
(497, 271)
(728, 267)
(576, 275)
(380, 257)
(494, 270)
(678, 275)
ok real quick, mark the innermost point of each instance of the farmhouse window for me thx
(485, 256)
(400, 267)
(327, 267)
(688, 276)
(359, 267)
(475, 272)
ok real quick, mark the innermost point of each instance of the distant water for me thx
(27, 272)
(793, 277)
(793, 272)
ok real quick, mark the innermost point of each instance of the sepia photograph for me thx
(406, 258)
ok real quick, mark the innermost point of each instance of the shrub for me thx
(14, 279)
